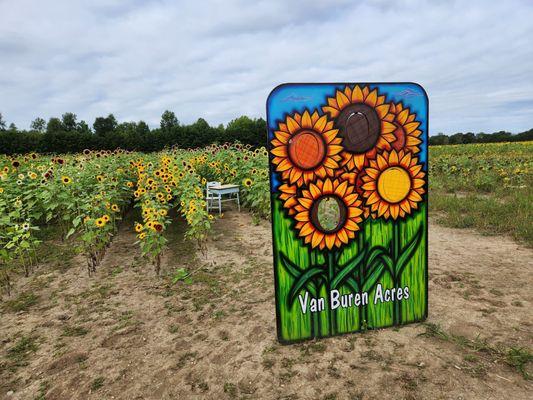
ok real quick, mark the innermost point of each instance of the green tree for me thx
(38, 125)
(168, 121)
(2, 123)
(104, 126)
(69, 121)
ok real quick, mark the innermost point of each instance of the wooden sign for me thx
(348, 177)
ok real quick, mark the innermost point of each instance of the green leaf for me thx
(376, 270)
(70, 233)
(302, 282)
(291, 267)
(408, 252)
(352, 283)
(347, 270)
(76, 221)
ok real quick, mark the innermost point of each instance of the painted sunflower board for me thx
(348, 178)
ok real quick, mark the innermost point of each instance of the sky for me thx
(220, 59)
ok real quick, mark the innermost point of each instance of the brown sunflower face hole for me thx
(307, 149)
(359, 127)
(328, 214)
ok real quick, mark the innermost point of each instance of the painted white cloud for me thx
(220, 59)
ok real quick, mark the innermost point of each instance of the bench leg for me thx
(239, 202)
(220, 205)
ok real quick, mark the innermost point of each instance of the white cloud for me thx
(220, 59)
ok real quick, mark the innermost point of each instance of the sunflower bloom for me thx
(306, 147)
(364, 122)
(66, 180)
(393, 184)
(309, 223)
(406, 133)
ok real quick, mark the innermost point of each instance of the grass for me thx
(18, 354)
(22, 303)
(74, 331)
(97, 383)
(517, 357)
(486, 187)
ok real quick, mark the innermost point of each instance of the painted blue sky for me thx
(221, 59)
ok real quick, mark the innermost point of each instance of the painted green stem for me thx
(330, 258)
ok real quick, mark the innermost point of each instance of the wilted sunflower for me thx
(406, 132)
(306, 147)
(364, 122)
(310, 223)
(394, 184)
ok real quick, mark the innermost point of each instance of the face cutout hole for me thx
(328, 214)
(307, 150)
(359, 126)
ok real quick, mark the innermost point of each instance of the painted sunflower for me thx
(288, 196)
(406, 132)
(306, 147)
(364, 122)
(393, 184)
(338, 230)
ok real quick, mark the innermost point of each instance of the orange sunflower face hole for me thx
(359, 127)
(394, 184)
(307, 150)
(328, 214)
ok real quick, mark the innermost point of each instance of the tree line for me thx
(68, 135)
(469, 137)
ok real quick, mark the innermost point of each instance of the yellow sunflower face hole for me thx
(394, 184)
(328, 214)
(307, 150)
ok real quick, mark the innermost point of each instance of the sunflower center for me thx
(399, 133)
(359, 126)
(307, 150)
(328, 214)
(394, 184)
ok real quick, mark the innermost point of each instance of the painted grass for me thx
(295, 325)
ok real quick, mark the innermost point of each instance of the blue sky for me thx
(221, 59)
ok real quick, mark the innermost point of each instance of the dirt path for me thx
(125, 334)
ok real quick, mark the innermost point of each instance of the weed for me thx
(22, 303)
(97, 383)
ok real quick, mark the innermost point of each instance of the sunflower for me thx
(310, 223)
(406, 132)
(247, 182)
(364, 122)
(288, 196)
(142, 235)
(106, 218)
(306, 147)
(138, 228)
(115, 208)
(393, 184)
(100, 222)
(66, 180)
(163, 212)
(158, 227)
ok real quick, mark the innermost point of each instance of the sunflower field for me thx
(86, 196)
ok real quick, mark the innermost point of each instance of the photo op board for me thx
(348, 179)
